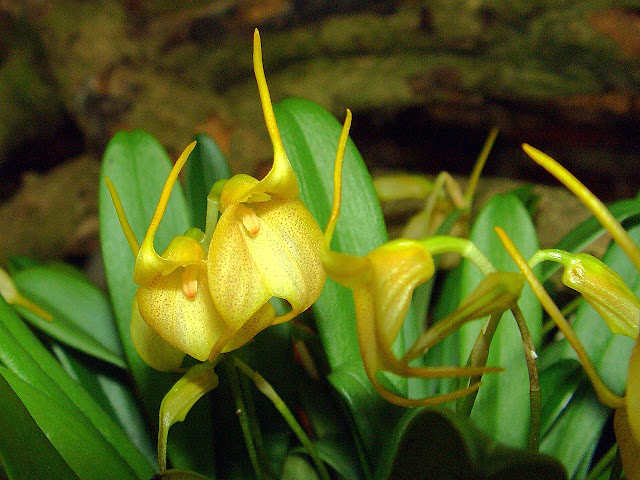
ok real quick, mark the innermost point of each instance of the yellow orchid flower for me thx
(610, 297)
(207, 294)
(383, 282)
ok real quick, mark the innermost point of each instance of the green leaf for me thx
(529, 199)
(310, 135)
(330, 428)
(447, 351)
(112, 389)
(296, 467)
(502, 406)
(138, 167)
(501, 409)
(588, 231)
(573, 437)
(82, 315)
(558, 384)
(25, 450)
(81, 445)
(332, 451)
(63, 410)
(20, 262)
(371, 414)
(434, 443)
(205, 167)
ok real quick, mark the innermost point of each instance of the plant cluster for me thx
(280, 334)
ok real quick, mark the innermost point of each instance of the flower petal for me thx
(398, 267)
(281, 259)
(262, 319)
(192, 325)
(152, 348)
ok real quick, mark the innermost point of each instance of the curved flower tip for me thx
(12, 296)
(280, 180)
(148, 263)
(603, 289)
(266, 243)
(597, 208)
(177, 403)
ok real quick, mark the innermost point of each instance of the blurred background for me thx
(426, 80)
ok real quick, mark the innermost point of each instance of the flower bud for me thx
(605, 291)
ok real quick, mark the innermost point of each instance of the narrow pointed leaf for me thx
(38, 378)
(558, 384)
(582, 421)
(25, 450)
(310, 135)
(80, 444)
(501, 409)
(82, 315)
(112, 389)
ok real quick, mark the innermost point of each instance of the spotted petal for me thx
(281, 260)
(178, 307)
(156, 352)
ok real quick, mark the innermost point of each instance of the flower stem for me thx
(530, 356)
(478, 358)
(466, 248)
(264, 387)
(241, 410)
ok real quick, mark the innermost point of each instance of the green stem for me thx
(551, 255)
(478, 358)
(213, 210)
(241, 411)
(530, 356)
(463, 246)
(264, 387)
(252, 416)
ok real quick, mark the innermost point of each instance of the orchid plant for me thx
(378, 363)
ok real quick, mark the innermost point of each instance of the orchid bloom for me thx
(206, 295)
(383, 282)
(602, 288)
